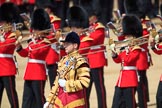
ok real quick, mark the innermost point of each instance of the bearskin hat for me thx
(131, 25)
(9, 13)
(49, 6)
(135, 7)
(40, 20)
(77, 17)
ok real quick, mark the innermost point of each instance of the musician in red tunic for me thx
(127, 81)
(97, 60)
(53, 54)
(144, 60)
(8, 15)
(36, 51)
(78, 22)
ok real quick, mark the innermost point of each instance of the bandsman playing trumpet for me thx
(9, 14)
(35, 73)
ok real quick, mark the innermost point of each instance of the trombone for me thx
(118, 44)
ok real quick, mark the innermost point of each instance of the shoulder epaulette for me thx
(87, 38)
(136, 47)
(46, 40)
(54, 18)
(99, 25)
(12, 35)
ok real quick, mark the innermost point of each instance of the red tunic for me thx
(97, 59)
(144, 59)
(55, 21)
(85, 44)
(128, 73)
(7, 64)
(53, 54)
(35, 69)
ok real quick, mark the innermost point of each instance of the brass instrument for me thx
(156, 35)
(12, 27)
(117, 16)
(115, 30)
(58, 34)
(27, 20)
(157, 20)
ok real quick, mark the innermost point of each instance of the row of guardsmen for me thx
(74, 73)
(42, 51)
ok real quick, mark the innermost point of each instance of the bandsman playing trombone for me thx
(53, 54)
(35, 73)
(78, 22)
(9, 14)
(97, 60)
(124, 95)
(145, 59)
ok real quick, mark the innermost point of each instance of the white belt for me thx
(95, 47)
(129, 68)
(6, 55)
(36, 61)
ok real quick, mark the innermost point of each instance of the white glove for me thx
(157, 38)
(127, 49)
(62, 82)
(112, 47)
(47, 105)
